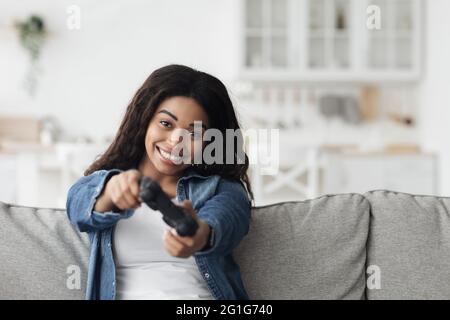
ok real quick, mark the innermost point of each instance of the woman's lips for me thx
(164, 158)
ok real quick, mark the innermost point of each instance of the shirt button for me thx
(109, 244)
(207, 275)
(113, 283)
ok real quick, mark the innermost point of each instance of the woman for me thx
(134, 255)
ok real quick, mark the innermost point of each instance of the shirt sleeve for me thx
(228, 212)
(81, 200)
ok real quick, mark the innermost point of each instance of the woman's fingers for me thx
(123, 189)
(186, 241)
(133, 181)
(115, 197)
(172, 245)
(122, 196)
(187, 207)
(127, 196)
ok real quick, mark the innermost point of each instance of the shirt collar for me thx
(192, 173)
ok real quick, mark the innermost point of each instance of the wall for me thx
(89, 75)
(435, 88)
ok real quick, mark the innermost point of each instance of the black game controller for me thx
(152, 194)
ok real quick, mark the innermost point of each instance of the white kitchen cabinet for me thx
(359, 173)
(266, 34)
(328, 30)
(310, 40)
(393, 45)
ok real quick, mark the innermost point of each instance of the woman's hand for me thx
(121, 192)
(184, 247)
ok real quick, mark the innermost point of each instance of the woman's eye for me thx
(165, 123)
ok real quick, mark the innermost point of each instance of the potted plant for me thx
(32, 33)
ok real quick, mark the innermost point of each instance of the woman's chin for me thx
(170, 169)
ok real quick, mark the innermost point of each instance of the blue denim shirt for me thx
(221, 203)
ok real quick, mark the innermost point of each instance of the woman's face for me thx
(171, 125)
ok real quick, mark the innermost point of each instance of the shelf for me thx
(328, 36)
(326, 53)
(329, 75)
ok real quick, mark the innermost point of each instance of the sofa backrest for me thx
(42, 256)
(314, 249)
(299, 250)
(409, 246)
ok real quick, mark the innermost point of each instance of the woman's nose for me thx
(176, 137)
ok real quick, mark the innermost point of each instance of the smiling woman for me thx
(195, 96)
(133, 254)
(174, 117)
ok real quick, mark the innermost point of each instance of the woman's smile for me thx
(167, 157)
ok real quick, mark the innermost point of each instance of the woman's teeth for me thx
(170, 157)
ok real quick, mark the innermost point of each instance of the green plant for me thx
(32, 34)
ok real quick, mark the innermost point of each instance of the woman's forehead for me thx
(183, 109)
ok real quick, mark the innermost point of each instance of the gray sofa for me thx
(380, 245)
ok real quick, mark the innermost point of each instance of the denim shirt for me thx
(221, 203)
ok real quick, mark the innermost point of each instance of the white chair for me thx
(284, 109)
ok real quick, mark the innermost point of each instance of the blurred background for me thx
(358, 89)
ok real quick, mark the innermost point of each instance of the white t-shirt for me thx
(145, 270)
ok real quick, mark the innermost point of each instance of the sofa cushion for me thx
(42, 256)
(409, 245)
(315, 249)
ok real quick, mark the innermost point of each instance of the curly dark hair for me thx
(128, 147)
